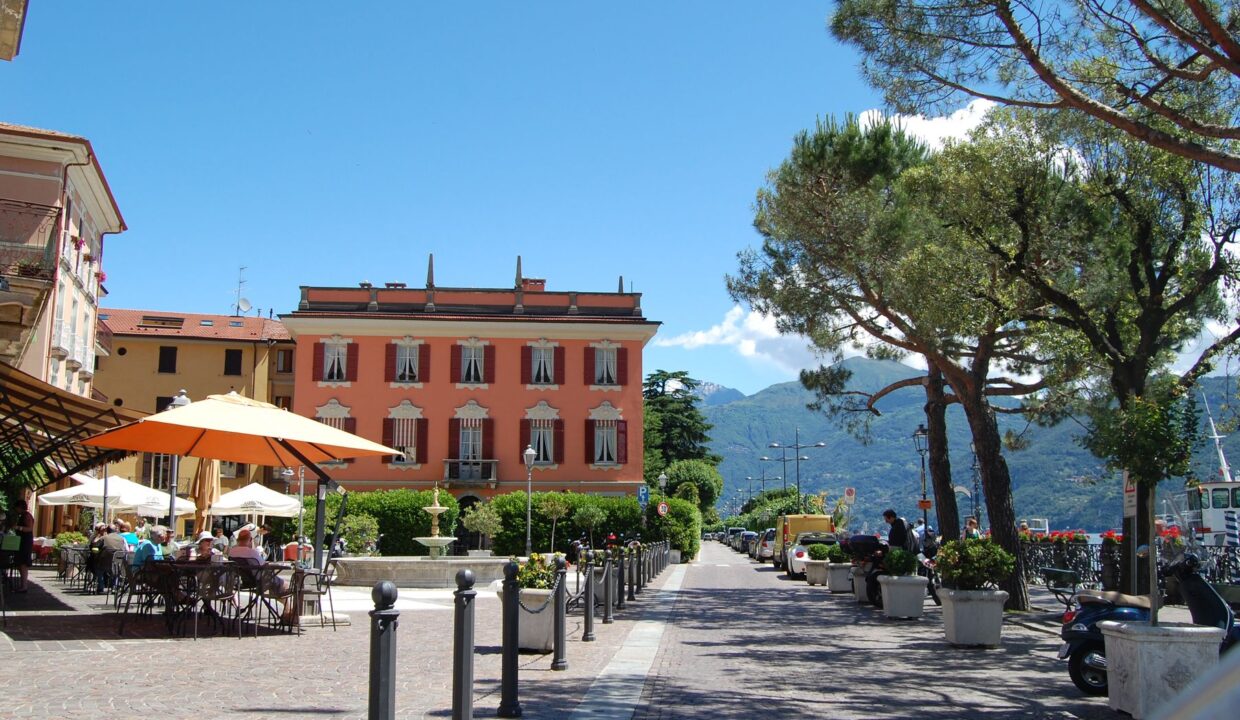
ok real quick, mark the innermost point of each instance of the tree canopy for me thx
(675, 427)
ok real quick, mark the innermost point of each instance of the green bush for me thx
(359, 531)
(481, 519)
(973, 564)
(837, 554)
(71, 537)
(818, 551)
(900, 562)
(399, 514)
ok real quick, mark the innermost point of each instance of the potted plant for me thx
(816, 566)
(839, 569)
(1111, 559)
(904, 594)
(536, 582)
(972, 610)
(484, 520)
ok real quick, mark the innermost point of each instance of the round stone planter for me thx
(904, 596)
(973, 617)
(816, 572)
(535, 629)
(839, 577)
(858, 584)
(1148, 666)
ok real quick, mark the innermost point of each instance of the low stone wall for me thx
(417, 572)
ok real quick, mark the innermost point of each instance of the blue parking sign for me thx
(643, 496)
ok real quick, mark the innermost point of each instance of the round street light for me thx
(920, 436)
(663, 483)
(530, 456)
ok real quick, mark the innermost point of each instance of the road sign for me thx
(850, 496)
(643, 496)
(662, 509)
(1130, 497)
(925, 504)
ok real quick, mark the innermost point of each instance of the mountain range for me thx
(1053, 477)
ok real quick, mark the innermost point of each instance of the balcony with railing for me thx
(61, 340)
(76, 352)
(87, 351)
(103, 338)
(463, 471)
(27, 266)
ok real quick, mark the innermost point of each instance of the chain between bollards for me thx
(383, 622)
(587, 634)
(558, 661)
(509, 704)
(463, 647)
(608, 591)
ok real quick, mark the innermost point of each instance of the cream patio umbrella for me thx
(237, 429)
(205, 490)
(123, 496)
(254, 499)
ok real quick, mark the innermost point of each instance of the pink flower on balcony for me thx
(103, 277)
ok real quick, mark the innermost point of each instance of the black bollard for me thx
(463, 647)
(558, 661)
(587, 634)
(632, 574)
(641, 567)
(608, 592)
(509, 705)
(621, 580)
(383, 621)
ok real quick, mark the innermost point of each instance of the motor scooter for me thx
(933, 583)
(1083, 645)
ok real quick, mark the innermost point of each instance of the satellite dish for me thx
(243, 305)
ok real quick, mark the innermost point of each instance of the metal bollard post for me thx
(509, 705)
(558, 661)
(621, 578)
(608, 579)
(641, 568)
(383, 621)
(587, 634)
(463, 647)
(632, 574)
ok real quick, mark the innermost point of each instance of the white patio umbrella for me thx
(123, 496)
(254, 499)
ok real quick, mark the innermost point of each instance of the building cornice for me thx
(558, 329)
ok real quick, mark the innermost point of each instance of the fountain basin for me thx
(417, 572)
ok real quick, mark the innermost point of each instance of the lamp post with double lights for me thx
(920, 436)
(796, 447)
(181, 400)
(530, 456)
(784, 461)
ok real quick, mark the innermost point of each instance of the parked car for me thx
(766, 545)
(741, 544)
(730, 535)
(751, 545)
(789, 526)
(797, 554)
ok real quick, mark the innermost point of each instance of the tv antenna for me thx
(242, 305)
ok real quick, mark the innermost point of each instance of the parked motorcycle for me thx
(1083, 645)
(933, 582)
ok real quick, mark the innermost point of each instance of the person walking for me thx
(971, 531)
(23, 526)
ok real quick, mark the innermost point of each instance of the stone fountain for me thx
(435, 542)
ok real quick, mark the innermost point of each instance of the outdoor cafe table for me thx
(176, 581)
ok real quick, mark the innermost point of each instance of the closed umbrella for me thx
(205, 490)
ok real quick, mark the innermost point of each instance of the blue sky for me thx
(322, 146)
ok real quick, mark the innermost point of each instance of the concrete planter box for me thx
(418, 572)
(675, 557)
(535, 630)
(973, 617)
(1148, 666)
(816, 572)
(481, 553)
(858, 584)
(839, 577)
(904, 596)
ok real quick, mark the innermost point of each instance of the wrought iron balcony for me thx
(466, 471)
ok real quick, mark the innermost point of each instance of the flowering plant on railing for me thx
(1110, 537)
(78, 242)
(103, 277)
(1171, 536)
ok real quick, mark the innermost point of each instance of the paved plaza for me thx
(722, 637)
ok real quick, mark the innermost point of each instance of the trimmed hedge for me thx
(398, 512)
(682, 525)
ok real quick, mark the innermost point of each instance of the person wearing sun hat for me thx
(204, 550)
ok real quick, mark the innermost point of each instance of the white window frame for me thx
(471, 441)
(404, 419)
(473, 365)
(407, 371)
(228, 469)
(335, 362)
(542, 439)
(542, 365)
(606, 362)
(606, 441)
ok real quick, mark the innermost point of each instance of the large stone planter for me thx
(973, 617)
(600, 587)
(1111, 567)
(481, 553)
(674, 557)
(839, 577)
(816, 572)
(904, 596)
(858, 584)
(1148, 666)
(535, 629)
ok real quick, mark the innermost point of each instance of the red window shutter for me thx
(589, 371)
(559, 367)
(424, 367)
(525, 437)
(622, 366)
(488, 439)
(622, 442)
(317, 372)
(389, 364)
(488, 365)
(557, 441)
(527, 364)
(350, 371)
(456, 366)
(389, 425)
(454, 438)
(589, 441)
(420, 428)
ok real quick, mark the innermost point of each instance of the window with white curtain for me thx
(605, 442)
(335, 359)
(471, 364)
(471, 440)
(542, 439)
(407, 363)
(605, 366)
(542, 365)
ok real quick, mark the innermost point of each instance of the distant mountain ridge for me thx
(713, 394)
(1053, 477)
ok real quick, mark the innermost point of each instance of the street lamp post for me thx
(977, 474)
(797, 447)
(530, 455)
(920, 436)
(784, 461)
(181, 400)
(663, 484)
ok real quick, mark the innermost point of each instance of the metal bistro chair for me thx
(215, 592)
(322, 588)
(259, 582)
(147, 583)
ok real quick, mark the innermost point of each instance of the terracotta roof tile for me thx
(162, 323)
(27, 130)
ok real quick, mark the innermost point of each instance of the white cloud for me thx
(936, 130)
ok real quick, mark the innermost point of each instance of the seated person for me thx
(203, 551)
(220, 541)
(130, 536)
(151, 549)
(244, 551)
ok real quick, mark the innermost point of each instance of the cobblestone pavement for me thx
(745, 642)
(65, 660)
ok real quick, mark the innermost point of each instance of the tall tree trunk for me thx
(997, 483)
(947, 515)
